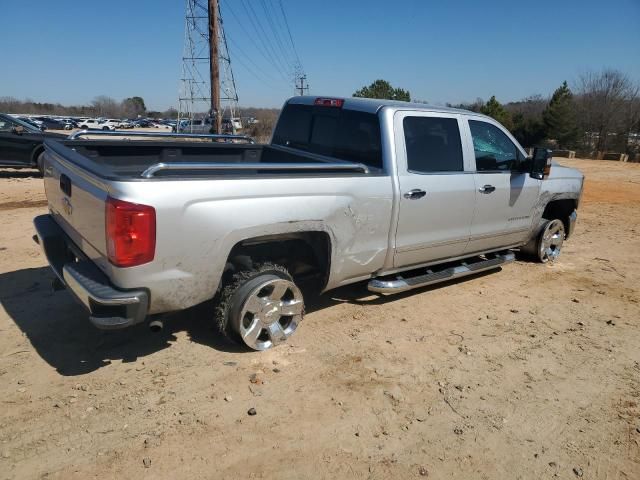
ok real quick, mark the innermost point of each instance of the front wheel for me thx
(261, 307)
(547, 245)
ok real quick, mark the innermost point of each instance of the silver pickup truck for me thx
(397, 194)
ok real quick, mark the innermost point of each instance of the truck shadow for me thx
(357, 294)
(58, 329)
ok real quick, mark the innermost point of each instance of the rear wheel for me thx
(260, 307)
(105, 128)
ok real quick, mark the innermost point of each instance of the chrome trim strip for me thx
(121, 133)
(500, 234)
(212, 166)
(430, 245)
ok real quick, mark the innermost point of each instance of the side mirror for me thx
(18, 130)
(540, 163)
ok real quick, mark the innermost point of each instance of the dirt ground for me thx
(531, 372)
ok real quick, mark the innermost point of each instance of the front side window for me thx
(433, 144)
(493, 149)
(6, 125)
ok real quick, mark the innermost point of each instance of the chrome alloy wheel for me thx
(270, 314)
(551, 240)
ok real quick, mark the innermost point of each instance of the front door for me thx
(437, 192)
(505, 196)
(15, 148)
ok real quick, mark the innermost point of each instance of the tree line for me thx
(100, 106)
(599, 113)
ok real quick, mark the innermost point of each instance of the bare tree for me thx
(603, 100)
(105, 106)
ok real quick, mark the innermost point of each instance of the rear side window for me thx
(335, 132)
(433, 144)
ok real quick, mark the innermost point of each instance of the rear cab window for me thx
(344, 134)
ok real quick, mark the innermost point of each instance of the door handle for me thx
(487, 189)
(414, 194)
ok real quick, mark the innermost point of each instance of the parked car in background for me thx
(143, 123)
(69, 124)
(39, 126)
(21, 143)
(90, 124)
(111, 124)
(50, 123)
(126, 124)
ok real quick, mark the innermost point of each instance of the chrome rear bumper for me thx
(109, 307)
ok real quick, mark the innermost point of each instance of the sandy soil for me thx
(532, 372)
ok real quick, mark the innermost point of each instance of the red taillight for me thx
(131, 233)
(329, 102)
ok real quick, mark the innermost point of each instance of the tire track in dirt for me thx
(22, 204)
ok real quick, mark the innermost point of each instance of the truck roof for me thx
(372, 105)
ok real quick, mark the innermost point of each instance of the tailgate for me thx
(77, 201)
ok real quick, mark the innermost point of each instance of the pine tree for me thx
(494, 109)
(383, 89)
(560, 119)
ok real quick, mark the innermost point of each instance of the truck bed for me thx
(128, 160)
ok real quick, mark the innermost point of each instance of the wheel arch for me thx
(305, 254)
(35, 153)
(561, 208)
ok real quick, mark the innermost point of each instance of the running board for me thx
(467, 267)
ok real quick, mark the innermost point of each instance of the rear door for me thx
(505, 196)
(437, 189)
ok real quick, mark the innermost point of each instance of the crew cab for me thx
(396, 194)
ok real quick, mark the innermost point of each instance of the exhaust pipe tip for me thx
(156, 326)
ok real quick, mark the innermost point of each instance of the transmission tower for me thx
(194, 101)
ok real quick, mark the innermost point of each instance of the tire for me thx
(260, 307)
(547, 245)
(40, 163)
(105, 128)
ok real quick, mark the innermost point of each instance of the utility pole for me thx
(300, 89)
(214, 67)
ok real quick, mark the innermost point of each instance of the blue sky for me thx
(72, 51)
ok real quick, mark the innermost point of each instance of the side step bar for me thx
(467, 267)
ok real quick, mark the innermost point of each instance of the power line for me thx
(265, 53)
(267, 79)
(286, 22)
(276, 35)
(259, 29)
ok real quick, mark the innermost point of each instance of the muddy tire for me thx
(260, 307)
